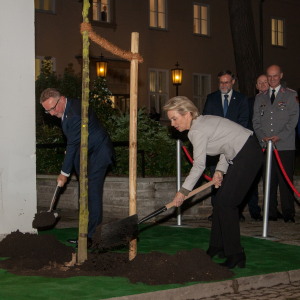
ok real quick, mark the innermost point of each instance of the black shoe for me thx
(210, 218)
(279, 215)
(235, 260)
(272, 218)
(73, 241)
(213, 251)
(241, 217)
(257, 217)
(89, 244)
(289, 218)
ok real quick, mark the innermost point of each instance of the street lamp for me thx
(101, 67)
(177, 77)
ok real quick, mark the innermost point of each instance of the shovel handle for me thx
(56, 193)
(194, 192)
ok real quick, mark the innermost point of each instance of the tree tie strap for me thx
(128, 55)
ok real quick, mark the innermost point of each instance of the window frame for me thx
(41, 58)
(111, 12)
(52, 11)
(201, 98)
(283, 32)
(166, 17)
(157, 94)
(208, 18)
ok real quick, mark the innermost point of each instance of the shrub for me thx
(153, 138)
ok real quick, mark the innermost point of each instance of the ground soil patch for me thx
(44, 255)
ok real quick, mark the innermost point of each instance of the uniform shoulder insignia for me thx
(290, 90)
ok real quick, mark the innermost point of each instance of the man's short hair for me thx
(49, 93)
(226, 72)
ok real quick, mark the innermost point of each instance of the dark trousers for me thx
(225, 229)
(95, 195)
(287, 158)
(251, 197)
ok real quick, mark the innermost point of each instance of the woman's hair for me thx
(183, 105)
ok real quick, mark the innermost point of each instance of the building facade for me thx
(194, 33)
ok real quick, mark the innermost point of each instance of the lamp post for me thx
(101, 67)
(177, 79)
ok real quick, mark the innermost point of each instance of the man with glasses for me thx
(100, 150)
(228, 104)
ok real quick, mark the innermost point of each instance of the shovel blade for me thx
(116, 233)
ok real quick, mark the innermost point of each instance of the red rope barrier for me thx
(284, 173)
(277, 157)
(191, 160)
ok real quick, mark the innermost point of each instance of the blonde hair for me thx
(183, 105)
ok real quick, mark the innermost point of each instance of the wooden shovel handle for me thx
(194, 192)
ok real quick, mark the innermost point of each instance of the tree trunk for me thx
(83, 202)
(245, 45)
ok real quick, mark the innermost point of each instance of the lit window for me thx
(158, 90)
(201, 85)
(44, 5)
(277, 32)
(201, 19)
(158, 13)
(101, 10)
(39, 65)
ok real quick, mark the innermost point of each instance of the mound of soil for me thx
(44, 255)
(43, 220)
(32, 251)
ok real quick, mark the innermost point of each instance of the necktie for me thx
(225, 108)
(273, 96)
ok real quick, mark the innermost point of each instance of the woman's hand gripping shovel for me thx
(123, 231)
(45, 219)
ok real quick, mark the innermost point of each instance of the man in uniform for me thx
(275, 117)
(229, 104)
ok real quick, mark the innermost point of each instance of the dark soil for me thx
(43, 220)
(44, 255)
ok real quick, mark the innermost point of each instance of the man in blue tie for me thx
(229, 104)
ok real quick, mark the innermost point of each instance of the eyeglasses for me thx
(225, 83)
(53, 108)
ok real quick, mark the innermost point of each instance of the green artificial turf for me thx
(263, 257)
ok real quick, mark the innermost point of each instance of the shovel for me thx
(46, 219)
(123, 231)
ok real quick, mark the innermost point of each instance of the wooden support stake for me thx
(133, 137)
(83, 180)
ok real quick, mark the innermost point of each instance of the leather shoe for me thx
(213, 251)
(210, 218)
(272, 218)
(235, 260)
(89, 244)
(289, 218)
(257, 217)
(73, 241)
(241, 217)
(279, 215)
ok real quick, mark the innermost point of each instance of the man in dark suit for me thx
(100, 150)
(228, 104)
